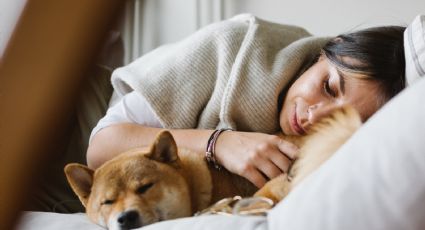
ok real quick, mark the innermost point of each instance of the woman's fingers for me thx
(255, 156)
(282, 154)
(287, 148)
(255, 177)
(281, 161)
(268, 168)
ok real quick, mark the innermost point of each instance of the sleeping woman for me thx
(252, 77)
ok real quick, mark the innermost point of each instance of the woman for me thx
(364, 69)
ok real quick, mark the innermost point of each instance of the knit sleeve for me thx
(178, 80)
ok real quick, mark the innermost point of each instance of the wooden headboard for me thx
(40, 73)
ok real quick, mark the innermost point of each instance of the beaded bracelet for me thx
(210, 153)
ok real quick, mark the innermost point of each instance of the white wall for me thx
(171, 20)
(9, 13)
(163, 21)
(331, 17)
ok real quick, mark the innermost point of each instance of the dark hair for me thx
(379, 55)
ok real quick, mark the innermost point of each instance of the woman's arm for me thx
(255, 156)
(118, 138)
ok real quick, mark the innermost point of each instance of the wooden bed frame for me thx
(40, 73)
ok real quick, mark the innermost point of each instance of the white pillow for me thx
(414, 46)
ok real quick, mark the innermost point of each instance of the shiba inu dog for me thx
(143, 186)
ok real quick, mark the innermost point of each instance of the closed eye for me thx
(328, 89)
(142, 189)
(107, 202)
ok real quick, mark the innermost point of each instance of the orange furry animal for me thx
(319, 145)
(143, 186)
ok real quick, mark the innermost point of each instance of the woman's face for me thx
(321, 89)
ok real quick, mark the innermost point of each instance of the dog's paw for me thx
(276, 189)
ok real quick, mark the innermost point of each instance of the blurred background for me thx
(58, 42)
(150, 23)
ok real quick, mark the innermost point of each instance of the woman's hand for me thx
(255, 156)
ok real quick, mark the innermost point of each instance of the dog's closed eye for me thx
(107, 202)
(142, 189)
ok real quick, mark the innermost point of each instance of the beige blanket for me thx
(228, 74)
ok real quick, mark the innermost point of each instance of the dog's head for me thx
(135, 188)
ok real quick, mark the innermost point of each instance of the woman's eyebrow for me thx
(341, 81)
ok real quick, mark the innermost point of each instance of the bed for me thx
(374, 181)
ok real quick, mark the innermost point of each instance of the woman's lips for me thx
(296, 127)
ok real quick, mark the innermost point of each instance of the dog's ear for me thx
(80, 177)
(164, 149)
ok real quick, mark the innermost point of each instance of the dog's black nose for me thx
(129, 219)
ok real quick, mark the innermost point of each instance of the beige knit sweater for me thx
(228, 74)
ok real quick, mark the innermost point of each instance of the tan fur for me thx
(183, 183)
(319, 145)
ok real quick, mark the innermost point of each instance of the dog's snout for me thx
(129, 219)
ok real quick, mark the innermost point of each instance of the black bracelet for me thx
(210, 152)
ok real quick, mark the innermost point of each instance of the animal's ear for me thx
(80, 177)
(164, 149)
